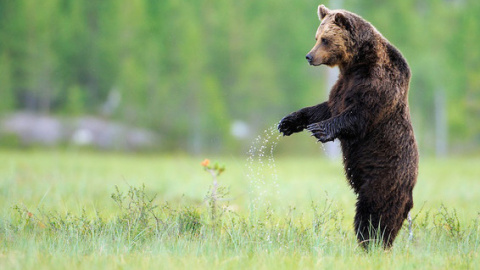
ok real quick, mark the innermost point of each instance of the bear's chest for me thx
(338, 100)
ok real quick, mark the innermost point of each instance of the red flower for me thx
(205, 163)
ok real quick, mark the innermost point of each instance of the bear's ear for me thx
(322, 12)
(342, 21)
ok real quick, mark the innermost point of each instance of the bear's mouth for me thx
(311, 61)
(314, 64)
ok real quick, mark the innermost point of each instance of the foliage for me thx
(65, 217)
(217, 192)
(189, 69)
(143, 226)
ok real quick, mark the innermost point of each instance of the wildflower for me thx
(205, 162)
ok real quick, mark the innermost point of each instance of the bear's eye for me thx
(324, 41)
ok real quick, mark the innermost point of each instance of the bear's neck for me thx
(369, 54)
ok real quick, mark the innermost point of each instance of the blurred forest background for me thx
(210, 75)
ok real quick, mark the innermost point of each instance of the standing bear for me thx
(368, 112)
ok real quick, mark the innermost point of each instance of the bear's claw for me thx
(321, 132)
(289, 125)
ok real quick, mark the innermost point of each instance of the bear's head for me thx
(334, 42)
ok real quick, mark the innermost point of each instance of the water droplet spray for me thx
(261, 169)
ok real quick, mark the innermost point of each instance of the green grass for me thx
(58, 212)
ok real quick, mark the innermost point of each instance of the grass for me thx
(81, 210)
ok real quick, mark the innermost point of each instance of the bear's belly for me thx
(383, 159)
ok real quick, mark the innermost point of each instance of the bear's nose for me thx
(309, 57)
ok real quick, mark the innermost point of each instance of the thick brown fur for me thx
(368, 112)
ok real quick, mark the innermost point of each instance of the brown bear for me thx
(368, 112)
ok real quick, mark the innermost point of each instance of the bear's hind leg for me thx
(367, 226)
(375, 222)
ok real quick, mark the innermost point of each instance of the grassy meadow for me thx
(85, 210)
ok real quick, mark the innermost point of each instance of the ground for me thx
(307, 223)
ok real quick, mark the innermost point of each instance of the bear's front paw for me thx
(290, 124)
(321, 132)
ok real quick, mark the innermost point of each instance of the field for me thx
(83, 210)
